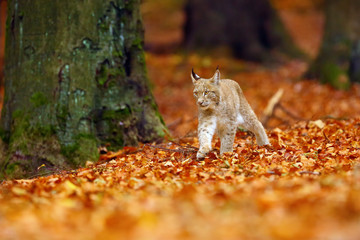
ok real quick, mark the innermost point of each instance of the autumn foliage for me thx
(306, 185)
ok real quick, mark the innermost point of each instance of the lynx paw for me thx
(263, 142)
(203, 150)
(225, 151)
(200, 155)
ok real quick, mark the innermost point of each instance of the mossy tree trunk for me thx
(338, 62)
(251, 28)
(75, 78)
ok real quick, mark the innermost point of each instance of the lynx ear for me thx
(194, 76)
(216, 78)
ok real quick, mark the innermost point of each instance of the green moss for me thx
(46, 130)
(83, 149)
(107, 73)
(62, 112)
(122, 114)
(335, 76)
(115, 140)
(138, 43)
(20, 127)
(157, 113)
(26, 153)
(14, 170)
(88, 149)
(24, 135)
(17, 114)
(4, 135)
(69, 150)
(130, 5)
(117, 54)
(38, 99)
(115, 122)
(24, 138)
(162, 132)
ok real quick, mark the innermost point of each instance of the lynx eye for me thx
(195, 94)
(209, 92)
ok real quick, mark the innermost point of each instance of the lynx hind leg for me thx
(206, 132)
(227, 137)
(260, 134)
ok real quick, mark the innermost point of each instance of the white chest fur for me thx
(239, 119)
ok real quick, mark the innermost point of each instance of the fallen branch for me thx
(274, 100)
(181, 150)
(309, 172)
(273, 104)
(292, 115)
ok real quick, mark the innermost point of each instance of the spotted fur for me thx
(222, 108)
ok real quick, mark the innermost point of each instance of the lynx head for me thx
(206, 91)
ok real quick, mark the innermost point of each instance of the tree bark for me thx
(75, 78)
(251, 28)
(338, 62)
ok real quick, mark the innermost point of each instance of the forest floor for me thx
(305, 186)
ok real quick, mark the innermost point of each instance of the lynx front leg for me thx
(206, 132)
(227, 136)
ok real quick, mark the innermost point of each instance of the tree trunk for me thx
(251, 28)
(75, 78)
(338, 62)
(3, 8)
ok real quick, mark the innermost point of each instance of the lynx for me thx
(222, 108)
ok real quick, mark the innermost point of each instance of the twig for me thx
(290, 113)
(187, 145)
(273, 104)
(309, 172)
(175, 123)
(179, 121)
(274, 100)
(182, 150)
(326, 137)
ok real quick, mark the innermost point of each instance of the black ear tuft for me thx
(217, 68)
(194, 75)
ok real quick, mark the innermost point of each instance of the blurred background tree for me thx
(338, 62)
(3, 7)
(251, 29)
